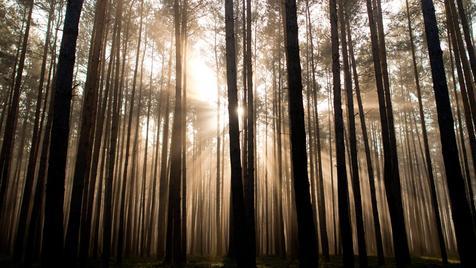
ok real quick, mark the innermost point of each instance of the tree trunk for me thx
(58, 148)
(108, 213)
(8, 142)
(391, 177)
(164, 182)
(353, 142)
(462, 219)
(249, 181)
(86, 137)
(429, 166)
(35, 144)
(343, 192)
(240, 235)
(365, 137)
(308, 252)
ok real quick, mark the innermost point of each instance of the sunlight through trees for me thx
(206, 133)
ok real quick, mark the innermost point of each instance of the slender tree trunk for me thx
(308, 251)
(164, 182)
(8, 142)
(35, 144)
(125, 175)
(250, 173)
(429, 166)
(218, 197)
(343, 192)
(240, 235)
(391, 177)
(353, 142)
(464, 94)
(467, 36)
(321, 195)
(184, 39)
(174, 229)
(370, 170)
(108, 209)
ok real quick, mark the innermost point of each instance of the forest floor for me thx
(262, 262)
(265, 262)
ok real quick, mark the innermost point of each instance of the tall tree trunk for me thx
(86, 137)
(391, 177)
(174, 229)
(321, 195)
(58, 148)
(35, 144)
(459, 45)
(33, 241)
(218, 197)
(183, 134)
(125, 175)
(249, 181)
(465, 88)
(108, 209)
(462, 219)
(240, 229)
(8, 142)
(365, 137)
(353, 141)
(467, 36)
(429, 166)
(308, 251)
(164, 182)
(103, 111)
(343, 191)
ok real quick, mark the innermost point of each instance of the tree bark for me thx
(343, 192)
(308, 252)
(58, 148)
(462, 219)
(241, 250)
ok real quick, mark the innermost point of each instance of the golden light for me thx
(240, 111)
(202, 78)
(152, 131)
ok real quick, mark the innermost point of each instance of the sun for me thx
(202, 78)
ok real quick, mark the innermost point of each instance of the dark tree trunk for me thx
(365, 137)
(308, 252)
(391, 177)
(321, 201)
(240, 235)
(35, 144)
(353, 141)
(467, 36)
(218, 156)
(33, 241)
(343, 191)
(53, 226)
(125, 175)
(164, 182)
(429, 166)
(108, 212)
(8, 142)
(86, 137)
(465, 235)
(174, 228)
(465, 88)
(249, 181)
(103, 111)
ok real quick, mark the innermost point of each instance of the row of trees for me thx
(100, 157)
